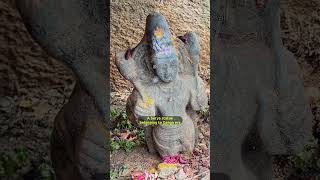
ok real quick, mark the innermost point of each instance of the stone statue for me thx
(75, 32)
(163, 70)
(259, 107)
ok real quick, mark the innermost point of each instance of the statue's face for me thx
(167, 71)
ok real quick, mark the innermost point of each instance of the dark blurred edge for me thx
(108, 87)
(213, 30)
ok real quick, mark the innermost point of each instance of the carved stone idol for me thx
(163, 70)
(259, 105)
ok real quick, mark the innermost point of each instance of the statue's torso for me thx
(172, 100)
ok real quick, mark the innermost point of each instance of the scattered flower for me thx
(174, 159)
(137, 175)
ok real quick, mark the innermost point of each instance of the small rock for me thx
(206, 177)
(53, 93)
(116, 138)
(16, 131)
(181, 175)
(171, 177)
(6, 104)
(203, 169)
(25, 103)
(204, 172)
(40, 110)
(201, 136)
(188, 171)
(202, 146)
(207, 133)
(5, 127)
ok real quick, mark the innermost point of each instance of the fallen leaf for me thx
(196, 151)
(132, 137)
(174, 159)
(152, 170)
(171, 177)
(203, 146)
(182, 161)
(188, 171)
(206, 162)
(124, 135)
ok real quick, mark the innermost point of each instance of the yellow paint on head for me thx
(158, 32)
(174, 41)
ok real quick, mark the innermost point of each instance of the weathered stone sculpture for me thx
(163, 70)
(75, 32)
(259, 108)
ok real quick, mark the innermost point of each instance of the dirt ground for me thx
(34, 86)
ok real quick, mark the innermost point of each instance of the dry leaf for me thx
(124, 135)
(188, 171)
(181, 175)
(132, 137)
(152, 170)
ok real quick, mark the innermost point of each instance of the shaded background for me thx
(34, 86)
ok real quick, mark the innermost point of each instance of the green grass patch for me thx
(124, 135)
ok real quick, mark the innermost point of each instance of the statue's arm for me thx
(198, 97)
(144, 107)
(127, 67)
(137, 106)
(283, 127)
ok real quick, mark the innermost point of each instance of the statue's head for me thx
(166, 69)
(163, 53)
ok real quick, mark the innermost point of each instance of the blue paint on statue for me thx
(163, 52)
